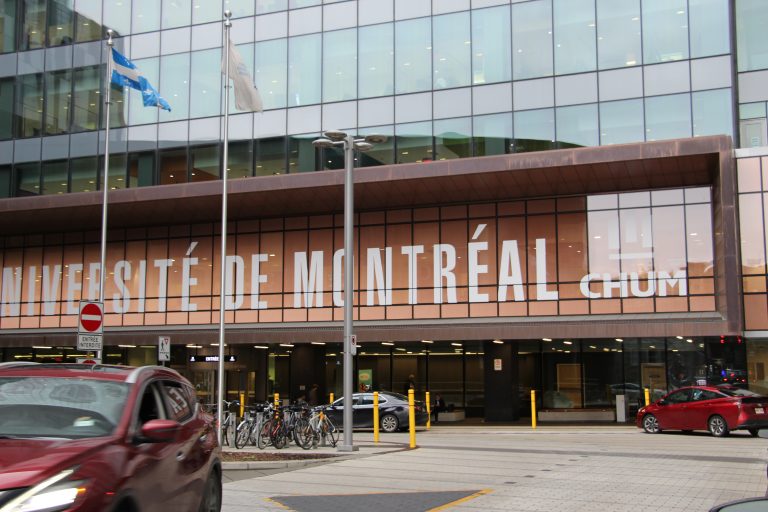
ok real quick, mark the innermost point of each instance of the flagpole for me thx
(105, 187)
(225, 164)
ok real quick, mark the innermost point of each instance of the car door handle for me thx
(180, 456)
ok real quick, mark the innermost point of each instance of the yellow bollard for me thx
(331, 399)
(429, 412)
(533, 408)
(411, 419)
(647, 396)
(277, 403)
(242, 404)
(375, 416)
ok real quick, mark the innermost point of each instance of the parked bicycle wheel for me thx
(277, 435)
(303, 433)
(242, 435)
(263, 436)
(329, 432)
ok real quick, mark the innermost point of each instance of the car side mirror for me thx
(159, 431)
(747, 505)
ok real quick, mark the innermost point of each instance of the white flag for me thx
(247, 97)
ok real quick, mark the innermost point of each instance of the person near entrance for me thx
(438, 406)
(313, 395)
(411, 384)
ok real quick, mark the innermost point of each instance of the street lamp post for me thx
(337, 138)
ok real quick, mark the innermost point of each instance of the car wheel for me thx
(211, 501)
(651, 424)
(717, 426)
(754, 432)
(389, 423)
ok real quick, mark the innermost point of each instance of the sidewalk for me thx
(473, 468)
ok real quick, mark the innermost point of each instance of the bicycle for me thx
(324, 430)
(251, 424)
(228, 419)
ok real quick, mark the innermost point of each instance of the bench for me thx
(455, 415)
(566, 415)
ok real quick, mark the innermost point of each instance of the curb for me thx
(277, 464)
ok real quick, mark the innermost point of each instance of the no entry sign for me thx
(91, 318)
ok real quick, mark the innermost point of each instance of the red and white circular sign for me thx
(91, 317)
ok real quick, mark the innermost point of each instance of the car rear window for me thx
(60, 407)
(737, 392)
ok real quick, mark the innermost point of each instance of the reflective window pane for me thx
(58, 95)
(665, 30)
(534, 130)
(239, 8)
(240, 160)
(205, 11)
(668, 117)
(174, 85)
(84, 174)
(451, 50)
(141, 169)
(7, 26)
(305, 56)
(88, 20)
(453, 139)
(574, 36)
(414, 143)
(751, 25)
(60, 22)
(204, 163)
(85, 100)
(618, 33)
(413, 55)
(33, 20)
(382, 153)
(6, 108)
(116, 176)
(301, 154)
(339, 65)
(491, 45)
(532, 39)
(29, 105)
(270, 72)
(710, 32)
(712, 113)
(376, 63)
(27, 179)
(173, 166)
(621, 122)
(205, 91)
(5, 181)
(265, 6)
(493, 134)
(146, 16)
(176, 13)
(117, 15)
(577, 126)
(55, 177)
(270, 156)
(118, 112)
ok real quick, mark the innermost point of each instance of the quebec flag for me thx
(126, 74)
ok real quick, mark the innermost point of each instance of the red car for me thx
(76, 437)
(719, 409)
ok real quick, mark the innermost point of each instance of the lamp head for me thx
(376, 138)
(336, 135)
(322, 143)
(363, 146)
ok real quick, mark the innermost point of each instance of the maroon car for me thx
(104, 438)
(718, 409)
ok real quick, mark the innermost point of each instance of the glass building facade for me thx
(444, 80)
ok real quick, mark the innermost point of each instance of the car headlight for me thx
(52, 495)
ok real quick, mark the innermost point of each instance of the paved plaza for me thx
(487, 468)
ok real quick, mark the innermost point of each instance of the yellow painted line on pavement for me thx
(270, 500)
(460, 500)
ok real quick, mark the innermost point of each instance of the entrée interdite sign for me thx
(462, 261)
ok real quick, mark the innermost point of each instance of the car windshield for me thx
(59, 407)
(734, 391)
